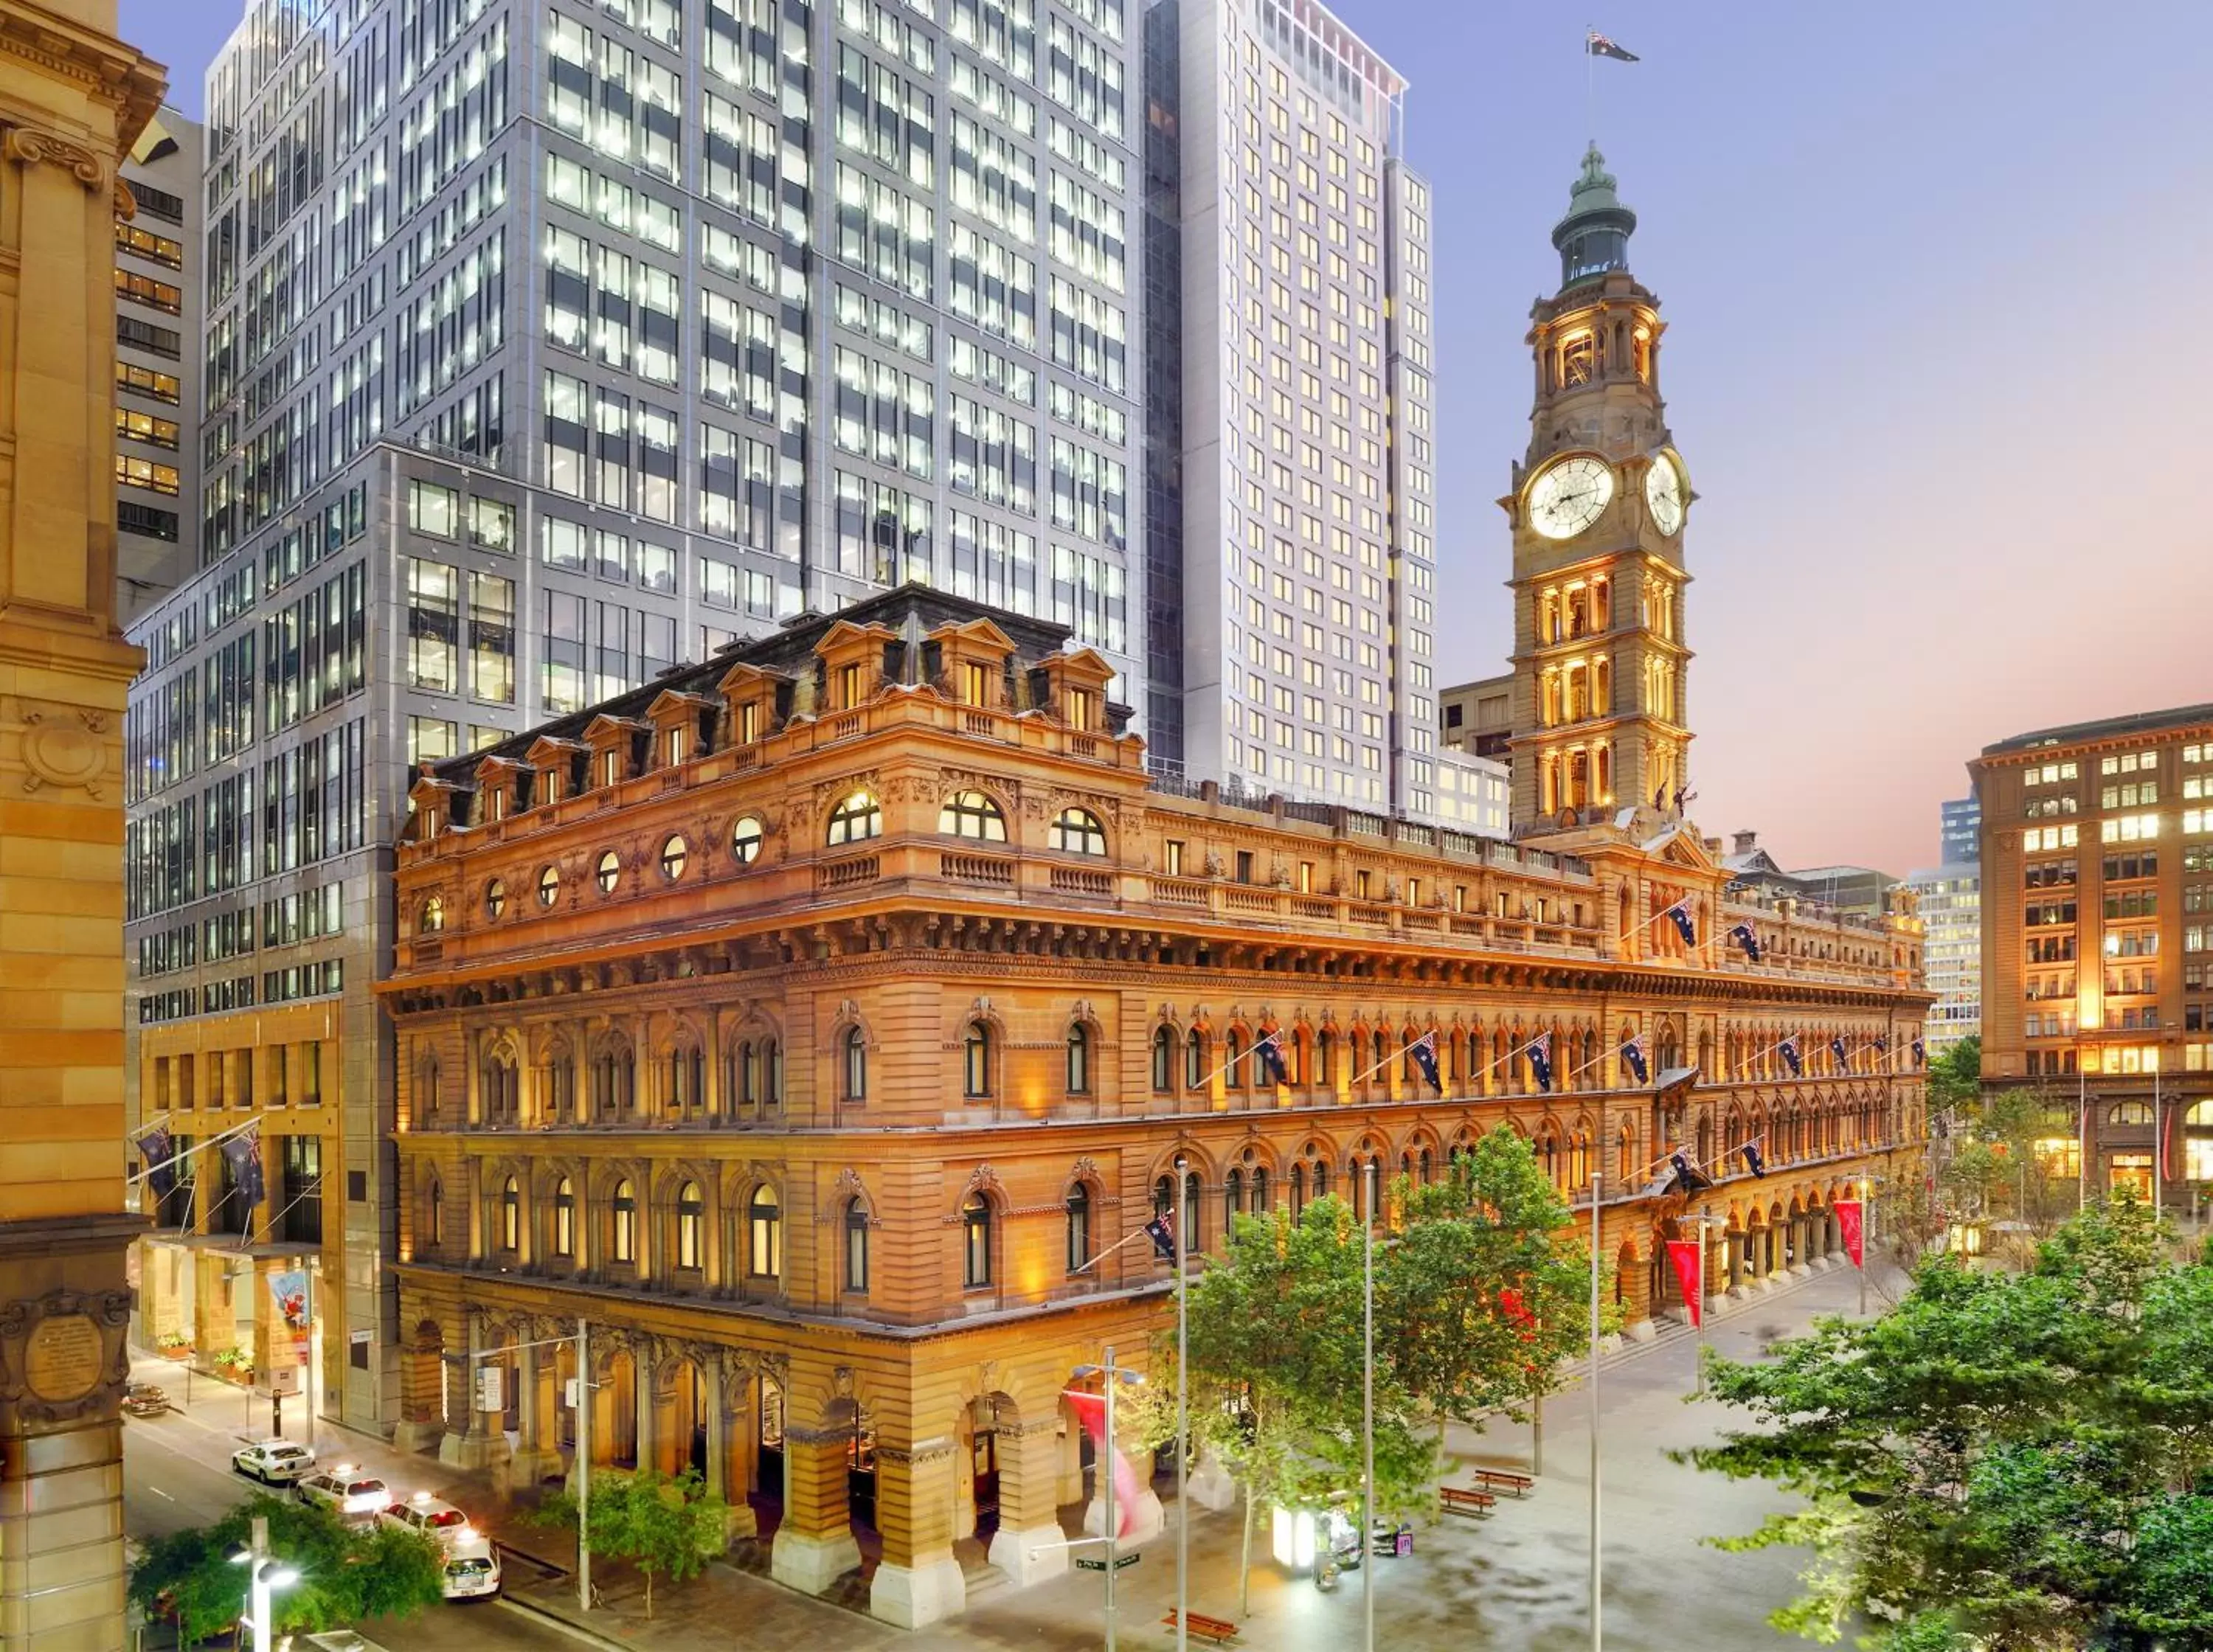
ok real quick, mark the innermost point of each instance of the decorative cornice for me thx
(33, 146)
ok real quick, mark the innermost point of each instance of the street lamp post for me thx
(1183, 1420)
(583, 1461)
(1112, 1376)
(263, 1573)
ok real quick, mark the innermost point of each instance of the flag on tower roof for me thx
(1600, 47)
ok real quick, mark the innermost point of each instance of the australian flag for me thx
(1791, 1059)
(1424, 1050)
(1633, 1053)
(1269, 1052)
(242, 1153)
(1540, 1061)
(1744, 936)
(1598, 45)
(1681, 913)
(1162, 1231)
(1920, 1053)
(160, 1150)
(1883, 1044)
(1844, 1055)
(1688, 1177)
(1752, 1161)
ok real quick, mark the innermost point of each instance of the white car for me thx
(359, 1498)
(274, 1462)
(472, 1564)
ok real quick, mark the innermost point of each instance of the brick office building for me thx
(806, 1021)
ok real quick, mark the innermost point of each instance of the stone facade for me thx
(814, 1024)
(72, 98)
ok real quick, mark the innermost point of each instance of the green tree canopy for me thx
(663, 1524)
(346, 1573)
(2010, 1463)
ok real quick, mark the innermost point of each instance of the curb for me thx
(554, 1621)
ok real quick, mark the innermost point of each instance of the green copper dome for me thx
(1594, 238)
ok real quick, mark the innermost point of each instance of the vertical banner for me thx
(288, 1295)
(1091, 1410)
(1848, 1218)
(1684, 1253)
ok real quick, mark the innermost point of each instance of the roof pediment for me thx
(606, 729)
(845, 635)
(979, 631)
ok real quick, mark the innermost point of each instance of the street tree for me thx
(664, 1524)
(1956, 1077)
(2005, 1463)
(346, 1573)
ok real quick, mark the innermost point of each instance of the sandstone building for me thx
(810, 1020)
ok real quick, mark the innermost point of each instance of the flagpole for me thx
(2082, 1135)
(1598, 1177)
(1590, 82)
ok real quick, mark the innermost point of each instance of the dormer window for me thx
(749, 722)
(433, 821)
(496, 804)
(1081, 708)
(849, 679)
(975, 682)
(676, 745)
(610, 767)
(550, 784)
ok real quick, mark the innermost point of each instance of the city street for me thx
(1515, 1579)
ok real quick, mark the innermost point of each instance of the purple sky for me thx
(1953, 486)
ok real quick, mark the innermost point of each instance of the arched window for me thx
(674, 852)
(856, 1065)
(856, 1244)
(1194, 1214)
(433, 915)
(434, 1214)
(1077, 832)
(1298, 1192)
(973, 815)
(1078, 1211)
(510, 1214)
(1163, 1059)
(626, 1221)
(764, 1249)
(690, 1226)
(1325, 1062)
(975, 1240)
(607, 872)
(1423, 1168)
(1079, 1059)
(771, 1074)
(1194, 1060)
(858, 818)
(565, 1217)
(976, 1060)
(1234, 1068)
(1259, 1191)
(1233, 1200)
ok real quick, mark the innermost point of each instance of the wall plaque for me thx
(62, 1357)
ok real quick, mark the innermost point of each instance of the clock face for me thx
(1569, 497)
(1663, 493)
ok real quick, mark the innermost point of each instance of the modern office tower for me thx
(2097, 875)
(73, 100)
(158, 332)
(1959, 839)
(545, 350)
(1297, 436)
(1949, 901)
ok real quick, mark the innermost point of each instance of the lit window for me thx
(746, 840)
(1077, 832)
(973, 815)
(673, 854)
(856, 819)
(608, 872)
(549, 885)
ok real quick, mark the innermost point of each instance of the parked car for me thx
(274, 1462)
(472, 1563)
(144, 1399)
(359, 1498)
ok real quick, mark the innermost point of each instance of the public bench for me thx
(1218, 1631)
(1500, 1479)
(1458, 1500)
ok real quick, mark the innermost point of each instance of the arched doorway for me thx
(614, 1412)
(981, 1425)
(679, 1423)
(845, 1417)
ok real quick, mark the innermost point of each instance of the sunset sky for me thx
(1937, 360)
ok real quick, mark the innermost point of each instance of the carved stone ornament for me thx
(62, 1356)
(841, 1383)
(63, 748)
(29, 146)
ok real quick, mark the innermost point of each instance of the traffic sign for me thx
(1120, 1561)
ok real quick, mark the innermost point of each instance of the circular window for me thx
(496, 896)
(549, 885)
(673, 854)
(746, 840)
(608, 872)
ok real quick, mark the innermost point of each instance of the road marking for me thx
(158, 1492)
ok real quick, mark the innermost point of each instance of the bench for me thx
(1458, 1500)
(1499, 1479)
(1218, 1631)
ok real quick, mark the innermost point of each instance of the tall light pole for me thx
(263, 1573)
(1598, 1627)
(1111, 1375)
(1183, 1419)
(583, 1468)
(1367, 1413)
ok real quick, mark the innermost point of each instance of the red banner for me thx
(1848, 1218)
(1689, 1266)
(1091, 1410)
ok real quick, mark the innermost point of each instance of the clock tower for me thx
(1597, 508)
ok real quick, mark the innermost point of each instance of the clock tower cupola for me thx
(1597, 507)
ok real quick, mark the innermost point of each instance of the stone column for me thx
(720, 1420)
(1028, 1545)
(918, 1580)
(813, 1545)
(534, 1451)
(646, 1395)
(482, 1441)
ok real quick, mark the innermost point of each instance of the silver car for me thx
(274, 1462)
